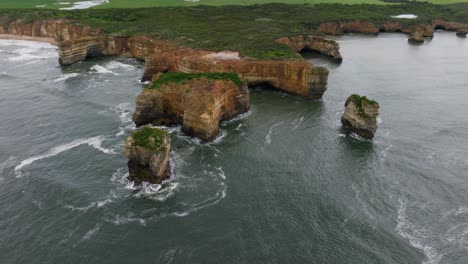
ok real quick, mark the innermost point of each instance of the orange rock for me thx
(198, 104)
(321, 45)
(295, 77)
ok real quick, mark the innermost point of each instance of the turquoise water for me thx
(282, 184)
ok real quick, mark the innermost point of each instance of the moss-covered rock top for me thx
(362, 102)
(181, 77)
(150, 138)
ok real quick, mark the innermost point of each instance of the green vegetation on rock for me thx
(251, 30)
(149, 138)
(361, 102)
(181, 77)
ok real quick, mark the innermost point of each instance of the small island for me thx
(360, 116)
(197, 101)
(148, 152)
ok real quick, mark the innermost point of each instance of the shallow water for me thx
(283, 184)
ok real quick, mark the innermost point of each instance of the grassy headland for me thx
(180, 77)
(250, 30)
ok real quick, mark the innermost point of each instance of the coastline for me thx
(51, 41)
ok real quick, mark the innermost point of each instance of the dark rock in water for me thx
(462, 32)
(416, 36)
(360, 116)
(148, 151)
(197, 101)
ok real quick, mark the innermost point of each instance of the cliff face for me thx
(295, 77)
(321, 45)
(360, 116)
(76, 42)
(198, 104)
(148, 151)
(363, 27)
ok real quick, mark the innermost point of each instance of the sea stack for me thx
(360, 116)
(197, 101)
(416, 36)
(148, 151)
(462, 32)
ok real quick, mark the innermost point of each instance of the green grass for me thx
(361, 102)
(180, 77)
(251, 30)
(149, 138)
(53, 4)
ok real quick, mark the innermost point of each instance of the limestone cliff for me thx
(321, 45)
(295, 77)
(76, 42)
(197, 101)
(148, 152)
(360, 116)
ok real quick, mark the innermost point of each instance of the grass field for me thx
(56, 4)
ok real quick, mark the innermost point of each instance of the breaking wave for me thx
(99, 69)
(417, 236)
(66, 77)
(95, 142)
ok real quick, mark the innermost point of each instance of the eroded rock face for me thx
(148, 151)
(198, 104)
(362, 27)
(331, 28)
(76, 42)
(416, 36)
(447, 25)
(462, 32)
(360, 116)
(321, 45)
(295, 77)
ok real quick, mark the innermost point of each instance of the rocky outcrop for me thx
(416, 36)
(362, 27)
(360, 116)
(76, 42)
(331, 28)
(148, 151)
(197, 101)
(295, 77)
(321, 45)
(462, 32)
(447, 25)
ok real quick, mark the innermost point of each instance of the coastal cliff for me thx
(295, 77)
(197, 101)
(76, 43)
(321, 45)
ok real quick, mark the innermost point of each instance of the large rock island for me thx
(198, 101)
(360, 116)
(148, 151)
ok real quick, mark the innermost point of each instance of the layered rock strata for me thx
(321, 45)
(360, 116)
(197, 101)
(295, 77)
(148, 151)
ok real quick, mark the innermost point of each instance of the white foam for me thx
(237, 118)
(341, 135)
(94, 142)
(120, 220)
(417, 236)
(296, 125)
(66, 77)
(406, 16)
(116, 65)
(99, 69)
(379, 120)
(84, 4)
(268, 136)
